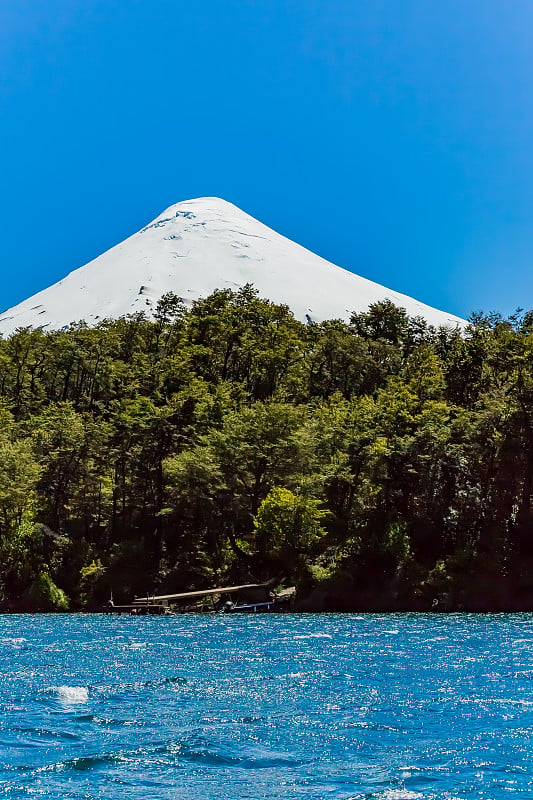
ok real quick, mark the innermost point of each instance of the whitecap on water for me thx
(70, 695)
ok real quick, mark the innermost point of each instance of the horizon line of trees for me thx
(379, 464)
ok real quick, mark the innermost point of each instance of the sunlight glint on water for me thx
(389, 707)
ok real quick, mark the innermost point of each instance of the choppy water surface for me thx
(204, 708)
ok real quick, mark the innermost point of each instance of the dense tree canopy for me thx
(379, 464)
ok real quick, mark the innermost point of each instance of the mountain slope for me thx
(193, 248)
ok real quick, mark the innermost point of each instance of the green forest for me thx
(377, 465)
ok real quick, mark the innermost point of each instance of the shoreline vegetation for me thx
(378, 465)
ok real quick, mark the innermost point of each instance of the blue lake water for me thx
(388, 707)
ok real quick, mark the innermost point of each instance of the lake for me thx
(191, 707)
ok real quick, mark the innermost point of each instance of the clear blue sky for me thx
(393, 137)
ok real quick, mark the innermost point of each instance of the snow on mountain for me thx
(193, 248)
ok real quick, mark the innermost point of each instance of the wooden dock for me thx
(184, 596)
(259, 598)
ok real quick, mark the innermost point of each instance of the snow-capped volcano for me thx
(193, 248)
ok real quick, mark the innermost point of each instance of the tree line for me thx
(377, 464)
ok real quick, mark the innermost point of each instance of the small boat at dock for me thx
(251, 598)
